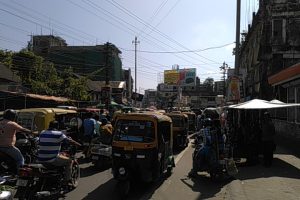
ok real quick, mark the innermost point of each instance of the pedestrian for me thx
(106, 131)
(268, 144)
(8, 130)
(89, 125)
(97, 125)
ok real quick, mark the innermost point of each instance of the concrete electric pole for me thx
(135, 42)
(237, 37)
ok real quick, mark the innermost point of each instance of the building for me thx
(270, 56)
(97, 63)
(182, 88)
(150, 98)
(9, 81)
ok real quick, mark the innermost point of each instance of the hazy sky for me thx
(169, 31)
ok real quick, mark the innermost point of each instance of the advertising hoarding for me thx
(180, 76)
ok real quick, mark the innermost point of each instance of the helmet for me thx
(10, 114)
(207, 122)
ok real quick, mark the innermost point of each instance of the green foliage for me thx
(43, 78)
(6, 58)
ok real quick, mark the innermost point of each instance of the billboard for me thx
(180, 76)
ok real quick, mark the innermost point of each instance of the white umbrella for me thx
(262, 104)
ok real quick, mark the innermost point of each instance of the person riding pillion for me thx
(8, 130)
(50, 142)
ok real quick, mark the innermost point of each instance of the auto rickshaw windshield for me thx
(134, 131)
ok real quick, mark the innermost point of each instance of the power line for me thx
(174, 52)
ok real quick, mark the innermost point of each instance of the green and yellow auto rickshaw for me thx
(38, 119)
(180, 128)
(141, 148)
(192, 121)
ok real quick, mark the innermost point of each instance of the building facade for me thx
(95, 62)
(270, 56)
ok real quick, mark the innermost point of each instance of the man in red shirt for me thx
(8, 130)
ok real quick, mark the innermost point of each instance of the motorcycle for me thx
(37, 181)
(101, 154)
(213, 158)
(7, 164)
(28, 145)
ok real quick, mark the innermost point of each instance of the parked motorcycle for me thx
(101, 154)
(37, 181)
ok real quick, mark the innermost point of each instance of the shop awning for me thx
(285, 75)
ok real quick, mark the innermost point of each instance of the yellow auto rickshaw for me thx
(192, 121)
(38, 119)
(141, 148)
(180, 128)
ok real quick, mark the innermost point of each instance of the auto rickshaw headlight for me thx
(122, 171)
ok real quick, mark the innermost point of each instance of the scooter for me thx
(37, 181)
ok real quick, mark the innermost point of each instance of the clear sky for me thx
(169, 31)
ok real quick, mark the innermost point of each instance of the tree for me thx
(43, 78)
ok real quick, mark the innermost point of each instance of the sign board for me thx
(180, 77)
(233, 89)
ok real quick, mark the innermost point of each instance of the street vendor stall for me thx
(244, 123)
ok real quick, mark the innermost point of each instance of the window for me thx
(277, 29)
(291, 99)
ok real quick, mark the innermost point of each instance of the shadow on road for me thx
(103, 192)
(139, 191)
(91, 170)
(204, 185)
(279, 168)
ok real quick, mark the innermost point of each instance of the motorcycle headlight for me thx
(122, 171)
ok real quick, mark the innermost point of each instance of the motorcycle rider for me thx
(50, 141)
(8, 130)
(205, 153)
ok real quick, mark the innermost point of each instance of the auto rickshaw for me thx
(141, 148)
(180, 128)
(38, 119)
(192, 121)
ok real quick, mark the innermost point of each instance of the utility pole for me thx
(106, 91)
(224, 68)
(237, 37)
(135, 42)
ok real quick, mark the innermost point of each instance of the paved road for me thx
(281, 181)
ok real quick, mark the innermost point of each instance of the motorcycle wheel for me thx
(75, 175)
(123, 188)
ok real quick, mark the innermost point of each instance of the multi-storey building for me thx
(270, 56)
